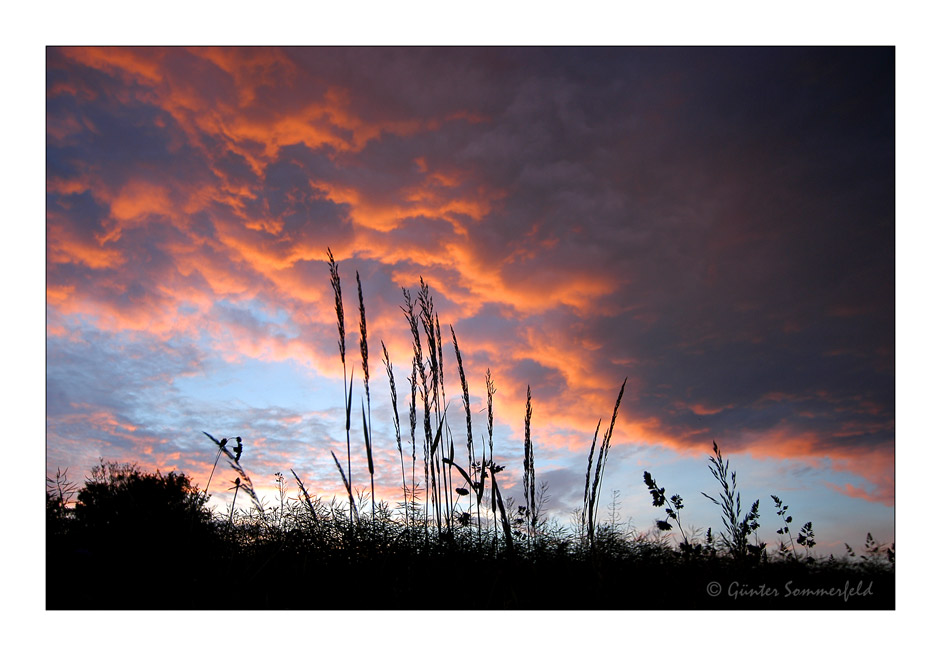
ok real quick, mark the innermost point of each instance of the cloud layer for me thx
(715, 224)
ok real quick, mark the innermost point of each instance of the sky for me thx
(716, 225)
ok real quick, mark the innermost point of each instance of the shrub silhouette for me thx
(131, 525)
(121, 498)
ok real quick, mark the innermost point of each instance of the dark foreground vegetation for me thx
(129, 539)
(137, 540)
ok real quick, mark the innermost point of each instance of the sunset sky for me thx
(717, 225)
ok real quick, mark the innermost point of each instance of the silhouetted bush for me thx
(121, 500)
(139, 529)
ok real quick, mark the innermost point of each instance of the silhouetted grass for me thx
(347, 396)
(155, 536)
(307, 553)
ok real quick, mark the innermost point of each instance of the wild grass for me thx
(396, 423)
(454, 542)
(529, 467)
(737, 526)
(473, 466)
(347, 396)
(673, 507)
(367, 423)
(301, 552)
(590, 510)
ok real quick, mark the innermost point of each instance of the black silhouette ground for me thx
(147, 541)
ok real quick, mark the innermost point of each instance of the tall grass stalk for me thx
(369, 463)
(438, 478)
(438, 457)
(395, 422)
(303, 490)
(418, 359)
(584, 520)
(347, 400)
(602, 460)
(470, 434)
(529, 467)
(349, 490)
(367, 427)
(491, 390)
(449, 485)
(412, 421)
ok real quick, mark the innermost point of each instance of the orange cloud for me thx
(700, 409)
(141, 64)
(883, 496)
(138, 199)
(250, 68)
(63, 246)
